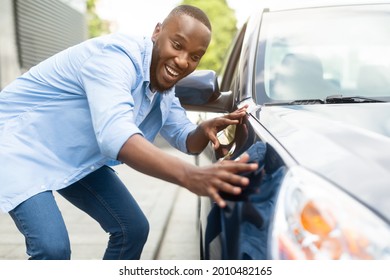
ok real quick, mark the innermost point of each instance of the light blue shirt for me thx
(72, 113)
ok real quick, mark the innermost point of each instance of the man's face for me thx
(179, 44)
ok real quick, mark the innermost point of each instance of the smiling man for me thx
(99, 103)
(179, 44)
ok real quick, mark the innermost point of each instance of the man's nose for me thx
(182, 60)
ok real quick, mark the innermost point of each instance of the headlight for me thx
(315, 220)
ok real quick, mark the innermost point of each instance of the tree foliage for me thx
(96, 26)
(224, 28)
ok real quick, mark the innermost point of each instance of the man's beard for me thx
(161, 90)
(153, 69)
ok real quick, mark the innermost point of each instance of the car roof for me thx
(278, 5)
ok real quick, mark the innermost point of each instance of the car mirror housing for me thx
(199, 91)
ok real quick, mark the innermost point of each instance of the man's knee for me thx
(133, 232)
(143, 230)
(137, 230)
(54, 250)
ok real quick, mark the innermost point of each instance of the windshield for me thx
(315, 53)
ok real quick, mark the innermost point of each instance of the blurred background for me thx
(33, 30)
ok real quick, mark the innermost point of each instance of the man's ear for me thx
(156, 32)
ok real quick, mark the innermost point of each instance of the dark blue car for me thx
(317, 82)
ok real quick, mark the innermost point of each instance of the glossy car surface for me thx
(317, 81)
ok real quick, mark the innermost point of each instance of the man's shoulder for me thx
(127, 40)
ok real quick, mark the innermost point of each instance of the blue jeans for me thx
(101, 195)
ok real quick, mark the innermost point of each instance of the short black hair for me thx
(191, 11)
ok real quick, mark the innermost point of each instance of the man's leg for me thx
(106, 199)
(43, 227)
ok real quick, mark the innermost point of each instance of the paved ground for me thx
(171, 211)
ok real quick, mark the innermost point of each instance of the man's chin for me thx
(164, 89)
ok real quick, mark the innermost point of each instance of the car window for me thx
(231, 63)
(315, 53)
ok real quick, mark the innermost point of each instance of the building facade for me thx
(33, 30)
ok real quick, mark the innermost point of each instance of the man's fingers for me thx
(218, 199)
(227, 179)
(224, 122)
(239, 112)
(228, 186)
(243, 158)
(234, 116)
(215, 196)
(215, 141)
(238, 166)
(223, 187)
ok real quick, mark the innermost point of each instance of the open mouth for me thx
(171, 72)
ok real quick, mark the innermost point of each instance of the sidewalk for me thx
(171, 212)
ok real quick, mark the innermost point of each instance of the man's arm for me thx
(144, 157)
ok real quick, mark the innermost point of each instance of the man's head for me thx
(179, 44)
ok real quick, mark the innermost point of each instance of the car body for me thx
(315, 78)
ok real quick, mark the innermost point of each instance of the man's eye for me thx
(176, 45)
(196, 57)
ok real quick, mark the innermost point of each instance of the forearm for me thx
(146, 158)
(197, 140)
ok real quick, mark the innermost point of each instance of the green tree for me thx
(96, 26)
(224, 28)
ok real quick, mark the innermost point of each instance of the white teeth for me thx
(171, 71)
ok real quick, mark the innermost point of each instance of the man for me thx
(98, 103)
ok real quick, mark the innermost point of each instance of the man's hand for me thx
(220, 177)
(207, 130)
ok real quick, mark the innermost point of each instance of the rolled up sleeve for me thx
(108, 79)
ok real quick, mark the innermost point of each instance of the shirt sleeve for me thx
(108, 78)
(177, 127)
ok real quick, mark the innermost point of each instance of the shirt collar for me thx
(148, 92)
(147, 58)
(146, 66)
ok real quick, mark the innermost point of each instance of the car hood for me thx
(348, 144)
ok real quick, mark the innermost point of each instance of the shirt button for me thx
(66, 181)
(43, 187)
(92, 167)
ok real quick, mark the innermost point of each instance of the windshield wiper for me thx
(297, 102)
(334, 99)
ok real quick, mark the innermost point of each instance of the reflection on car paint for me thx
(243, 225)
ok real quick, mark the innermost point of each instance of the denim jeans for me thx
(101, 195)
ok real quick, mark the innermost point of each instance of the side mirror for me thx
(199, 91)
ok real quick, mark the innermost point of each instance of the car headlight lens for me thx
(315, 220)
